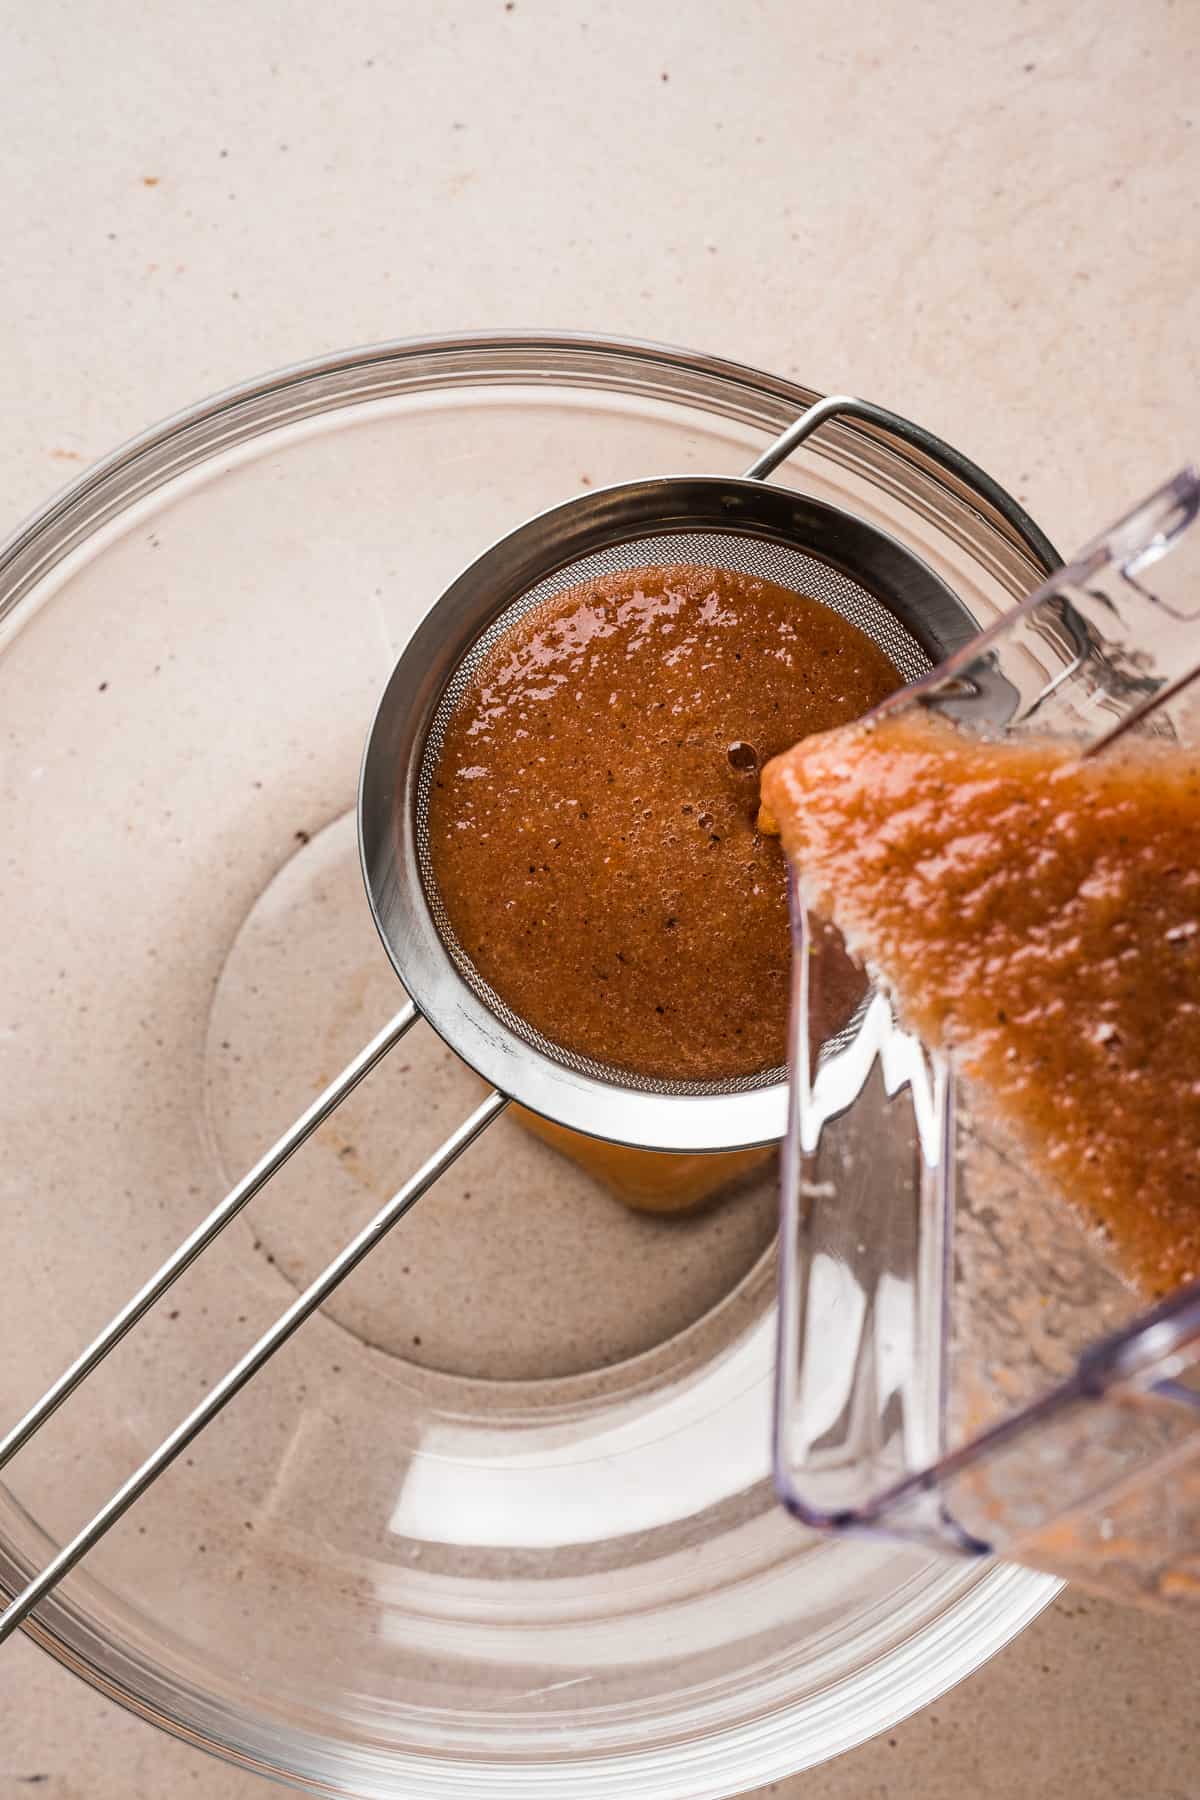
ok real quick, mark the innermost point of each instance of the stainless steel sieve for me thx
(741, 524)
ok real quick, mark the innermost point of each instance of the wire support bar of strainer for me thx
(863, 568)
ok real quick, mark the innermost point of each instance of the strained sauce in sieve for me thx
(1039, 915)
(593, 818)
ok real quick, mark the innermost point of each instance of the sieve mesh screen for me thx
(766, 558)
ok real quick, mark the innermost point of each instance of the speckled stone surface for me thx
(983, 215)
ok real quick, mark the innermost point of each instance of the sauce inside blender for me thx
(593, 824)
(1038, 914)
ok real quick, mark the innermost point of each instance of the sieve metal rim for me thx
(572, 1091)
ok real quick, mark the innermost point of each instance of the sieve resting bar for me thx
(208, 1229)
(248, 1366)
(952, 461)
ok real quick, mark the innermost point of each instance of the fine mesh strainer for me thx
(738, 524)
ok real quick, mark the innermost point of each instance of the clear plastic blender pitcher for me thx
(959, 1363)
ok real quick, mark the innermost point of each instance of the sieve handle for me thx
(945, 455)
(248, 1366)
(209, 1228)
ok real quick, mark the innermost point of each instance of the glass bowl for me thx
(499, 1521)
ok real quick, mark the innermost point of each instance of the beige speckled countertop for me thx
(981, 214)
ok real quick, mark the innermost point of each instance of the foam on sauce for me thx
(593, 823)
(1039, 915)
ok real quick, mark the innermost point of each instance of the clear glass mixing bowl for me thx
(499, 1522)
